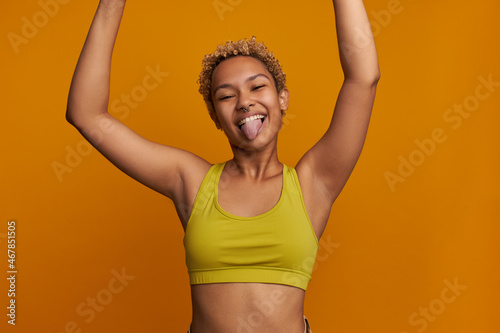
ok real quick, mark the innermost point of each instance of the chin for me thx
(260, 143)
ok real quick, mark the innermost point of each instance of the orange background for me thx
(389, 248)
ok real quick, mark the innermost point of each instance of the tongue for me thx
(252, 128)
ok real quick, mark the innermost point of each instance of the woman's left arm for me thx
(329, 163)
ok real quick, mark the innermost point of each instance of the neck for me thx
(256, 164)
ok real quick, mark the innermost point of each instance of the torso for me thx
(224, 307)
(229, 307)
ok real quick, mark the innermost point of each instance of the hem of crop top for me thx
(263, 274)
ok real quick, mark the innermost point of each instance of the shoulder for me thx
(192, 171)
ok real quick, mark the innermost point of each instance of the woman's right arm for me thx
(165, 169)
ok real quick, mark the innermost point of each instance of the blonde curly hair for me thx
(243, 47)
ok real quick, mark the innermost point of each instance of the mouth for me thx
(251, 126)
(251, 118)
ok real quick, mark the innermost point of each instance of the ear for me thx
(283, 97)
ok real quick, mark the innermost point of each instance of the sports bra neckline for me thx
(247, 218)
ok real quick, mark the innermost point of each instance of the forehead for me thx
(237, 69)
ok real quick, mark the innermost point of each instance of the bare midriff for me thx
(247, 307)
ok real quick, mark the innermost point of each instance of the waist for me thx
(240, 307)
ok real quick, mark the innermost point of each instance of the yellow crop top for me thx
(278, 247)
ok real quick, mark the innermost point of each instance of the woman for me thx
(252, 224)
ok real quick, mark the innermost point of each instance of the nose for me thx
(244, 102)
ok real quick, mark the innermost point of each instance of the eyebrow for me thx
(250, 78)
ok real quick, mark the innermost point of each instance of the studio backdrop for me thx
(412, 244)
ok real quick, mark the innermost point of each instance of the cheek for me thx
(272, 104)
(221, 110)
(224, 116)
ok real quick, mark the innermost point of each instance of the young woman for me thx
(252, 224)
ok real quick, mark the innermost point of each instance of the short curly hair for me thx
(243, 47)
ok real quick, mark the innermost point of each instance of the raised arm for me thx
(162, 168)
(326, 167)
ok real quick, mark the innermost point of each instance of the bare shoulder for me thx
(192, 171)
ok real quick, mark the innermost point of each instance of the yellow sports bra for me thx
(278, 247)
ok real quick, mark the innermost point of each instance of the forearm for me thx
(358, 55)
(89, 92)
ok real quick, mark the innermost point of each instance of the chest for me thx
(245, 198)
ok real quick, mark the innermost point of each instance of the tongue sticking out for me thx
(252, 128)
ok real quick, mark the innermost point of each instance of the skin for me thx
(254, 174)
(255, 164)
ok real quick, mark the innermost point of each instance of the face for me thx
(244, 82)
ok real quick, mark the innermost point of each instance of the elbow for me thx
(372, 73)
(80, 120)
(373, 82)
(365, 75)
(375, 74)
(372, 78)
(70, 111)
(70, 117)
(366, 80)
(376, 77)
(74, 118)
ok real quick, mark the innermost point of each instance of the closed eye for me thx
(258, 87)
(253, 89)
